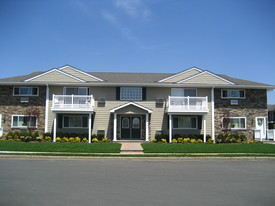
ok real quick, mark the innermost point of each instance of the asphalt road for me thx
(138, 182)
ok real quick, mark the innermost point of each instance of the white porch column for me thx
(170, 128)
(46, 109)
(147, 128)
(204, 128)
(115, 126)
(90, 128)
(213, 113)
(54, 127)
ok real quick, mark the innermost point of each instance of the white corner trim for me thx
(130, 103)
(206, 72)
(82, 72)
(185, 71)
(54, 70)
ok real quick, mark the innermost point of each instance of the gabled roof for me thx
(64, 74)
(130, 104)
(206, 77)
(182, 75)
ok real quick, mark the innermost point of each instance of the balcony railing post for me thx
(72, 101)
(188, 102)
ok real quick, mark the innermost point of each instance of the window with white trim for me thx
(76, 91)
(185, 122)
(130, 93)
(181, 92)
(25, 91)
(22, 121)
(236, 94)
(75, 121)
(234, 123)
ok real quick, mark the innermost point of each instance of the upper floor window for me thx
(76, 91)
(130, 93)
(234, 123)
(22, 121)
(181, 92)
(236, 94)
(25, 91)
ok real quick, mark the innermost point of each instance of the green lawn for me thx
(207, 148)
(61, 147)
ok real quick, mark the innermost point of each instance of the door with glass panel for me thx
(130, 127)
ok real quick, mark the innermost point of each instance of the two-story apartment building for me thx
(134, 106)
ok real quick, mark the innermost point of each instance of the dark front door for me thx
(131, 128)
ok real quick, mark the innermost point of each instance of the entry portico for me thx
(129, 122)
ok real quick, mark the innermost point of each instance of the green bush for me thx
(71, 139)
(231, 138)
(105, 139)
(85, 140)
(163, 140)
(48, 139)
(58, 139)
(65, 139)
(186, 140)
(174, 141)
(199, 141)
(193, 141)
(154, 140)
(77, 139)
(94, 140)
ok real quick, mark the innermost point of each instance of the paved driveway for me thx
(126, 182)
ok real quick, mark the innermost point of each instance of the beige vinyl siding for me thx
(103, 119)
(79, 75)
(183, 75)
(54, 76)
(205, 79)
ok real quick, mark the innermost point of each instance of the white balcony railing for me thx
(73, 103)
(187, 104)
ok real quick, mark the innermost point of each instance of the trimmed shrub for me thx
(174, 141)
(154, 140)
(48, 139)
(94, 140)
(210, 141)
(58, 139)
(77, 139)
(163, 140)
(65, 139)
(105, 139)
(193, 141)
(85, 140)
(186, 140)
(199, 141)
(71, 139)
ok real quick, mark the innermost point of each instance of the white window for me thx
(25, 91)
(180, 92)
(185, 122)
(236, 94)
(23, 121)
(234, 123)
(76, 91)
(130, 93)
(75, 121)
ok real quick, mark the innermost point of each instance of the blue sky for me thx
(233, 37)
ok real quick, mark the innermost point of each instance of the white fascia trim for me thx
(206, 72)
(56, 70)
(130, 103)
(193, 68)
(82, 72)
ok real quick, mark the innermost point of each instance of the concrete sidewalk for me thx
(131, 148)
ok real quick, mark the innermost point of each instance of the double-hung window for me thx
(235, 94)
(76, 91)
(22, 121)
(185, 122)
(130, 93)
(25, 91)
(180, 92)
(234, 123)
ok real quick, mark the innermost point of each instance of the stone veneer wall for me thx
(11, 105)
(254, 105)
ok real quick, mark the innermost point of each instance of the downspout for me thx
(213, 112)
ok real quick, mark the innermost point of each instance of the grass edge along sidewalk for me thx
(208, 148)
(60, 147)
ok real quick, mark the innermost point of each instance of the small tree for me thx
(31, 117)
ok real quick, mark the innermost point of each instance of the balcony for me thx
(187, 105)
(73, 103)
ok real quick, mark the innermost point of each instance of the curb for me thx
(35, 157)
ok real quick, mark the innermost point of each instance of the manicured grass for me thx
(61, 147)
(207, 148)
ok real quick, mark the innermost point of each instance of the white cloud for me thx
(134, 8)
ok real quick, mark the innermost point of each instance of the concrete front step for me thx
(131, 147)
